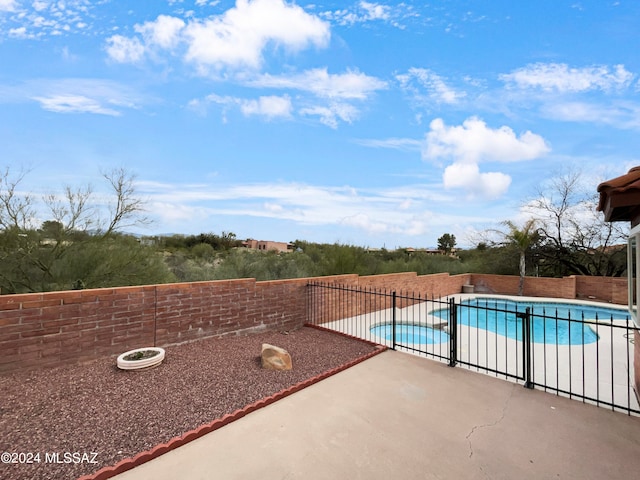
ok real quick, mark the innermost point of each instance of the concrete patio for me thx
(401, 416)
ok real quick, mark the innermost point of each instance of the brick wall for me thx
(533, 286)
(61, 327)
(603, 289)
(191, 311)
(606, 289)
(435, 285)
(48, 329)
(56, 328)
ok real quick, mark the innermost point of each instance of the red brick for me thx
(59, 322)
(9, 337)
(39, 332)
(72, 298)
(17, 328)
(8, 349)
(50, 351)
(49, 302)
(30, 350)
(70, 340)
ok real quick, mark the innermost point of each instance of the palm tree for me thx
(522, 239)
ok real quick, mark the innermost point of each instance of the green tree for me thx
(339, 259)
(203, 251)
(522, 238)
(80, 246)
(447, 242)
(116, 261)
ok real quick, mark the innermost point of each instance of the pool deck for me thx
(397, 415)
(612, 353)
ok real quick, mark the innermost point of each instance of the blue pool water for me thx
(549, 321)
(410, 334)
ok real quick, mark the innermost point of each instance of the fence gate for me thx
(582, 358)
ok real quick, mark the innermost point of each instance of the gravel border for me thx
(66, 414)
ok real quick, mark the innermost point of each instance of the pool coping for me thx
(518, 298)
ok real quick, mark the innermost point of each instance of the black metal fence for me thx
(586, 355)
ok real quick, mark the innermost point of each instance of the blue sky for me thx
(375, 124)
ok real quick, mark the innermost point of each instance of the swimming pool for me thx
(410, 334)
(551, 322)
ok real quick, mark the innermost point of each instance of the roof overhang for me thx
(620, 198)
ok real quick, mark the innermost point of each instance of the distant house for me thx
(430, 251)
(609, 249)
(267, 245)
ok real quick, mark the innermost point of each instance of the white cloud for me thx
(164, 32)
(75, 95)
(213, 98)
(349, 85)
(437, 90)
(405, 144)
(39, 5)
(559, 77)
(38, 18)
(273, 207)
(237, 38)
(375, 11)
(125, 50)
(172, 212)
(467, 176)
(19, 32)
(366, 223)
(330, 114)
(624, 115)
(240, 35)
(472, 143)
(329, 88)
(400, 210)
(369, 12)
(332, 88)
(268, 106)
(8, 5)
(74, 104)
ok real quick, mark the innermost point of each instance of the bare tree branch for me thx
(16, 210)
(74, 212)
(127, 209)
(575, 238)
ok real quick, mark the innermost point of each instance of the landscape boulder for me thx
(275, 358)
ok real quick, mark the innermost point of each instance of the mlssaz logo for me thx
(71, 457)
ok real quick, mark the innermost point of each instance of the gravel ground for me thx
(95, 407)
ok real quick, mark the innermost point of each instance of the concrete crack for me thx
(493, 424)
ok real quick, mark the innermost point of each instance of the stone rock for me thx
(275, 358)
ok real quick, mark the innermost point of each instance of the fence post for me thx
(393, 320)
(453, 333)
(526, 346)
